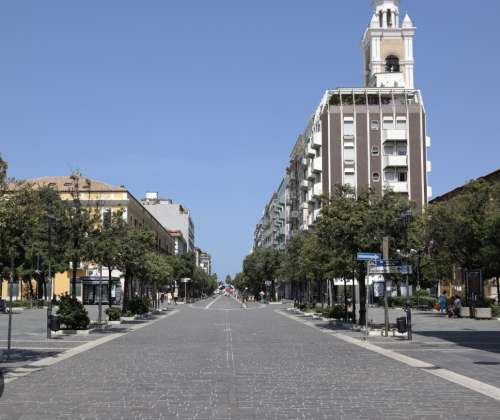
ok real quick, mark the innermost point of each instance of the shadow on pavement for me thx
(479, 340)
(24, 355)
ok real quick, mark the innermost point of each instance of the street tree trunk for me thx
(362, 297)
(110, 283)
(126, 290)
(73, 280)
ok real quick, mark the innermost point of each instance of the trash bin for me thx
(55, 323)
(401, 324)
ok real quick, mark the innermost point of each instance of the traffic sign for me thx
(268, 282)
(390, 269)
(368, 256)
(185, 280)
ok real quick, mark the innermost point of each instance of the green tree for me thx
(136, 244)
(81, 220)
(491, 248)
(47, 241)
(104, 243)
(457, 230)
(261, 266)
(3, 174)
(157, 273)
(290, 268)
(350, 224)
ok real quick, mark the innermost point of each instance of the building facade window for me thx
(376, 177)
(396, 175)
(388, 123)
(375, 151)
(348, 126)
(375, 125)
(401, 123)
(349, 154)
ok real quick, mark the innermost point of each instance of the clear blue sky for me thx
(203, 100)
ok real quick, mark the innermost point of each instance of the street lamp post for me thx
(406, 220)
(11, 287)
(50, 218)
(185, 281)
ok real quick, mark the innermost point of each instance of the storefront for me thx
(94, 287)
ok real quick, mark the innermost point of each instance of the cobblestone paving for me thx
(230, 363)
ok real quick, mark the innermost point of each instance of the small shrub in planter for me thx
(338, 312)
(495, 311)
(114, 314)
(138, 306)
(73, 314)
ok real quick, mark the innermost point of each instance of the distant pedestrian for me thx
(2, 305)
(442, 302)
(457, 306)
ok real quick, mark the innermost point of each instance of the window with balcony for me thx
(375, 151)
(396, 175)
(399, 148)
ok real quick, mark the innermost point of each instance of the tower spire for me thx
(388, 47)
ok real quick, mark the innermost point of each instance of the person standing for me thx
(442, 302)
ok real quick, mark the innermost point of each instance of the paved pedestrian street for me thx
(216, 360)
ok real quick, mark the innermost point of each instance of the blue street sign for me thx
(369, 256)
(388, 263)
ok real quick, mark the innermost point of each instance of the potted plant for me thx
(73, 315)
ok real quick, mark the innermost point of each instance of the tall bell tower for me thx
(388, 47)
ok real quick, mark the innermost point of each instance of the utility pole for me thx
(99, 318)
(50, 217)
(385, 251)
(407, 219)
(11, 287)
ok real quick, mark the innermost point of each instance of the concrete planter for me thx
(482, 313)
(72, 332)
(465, 312)
(127, 318)
(115, 322)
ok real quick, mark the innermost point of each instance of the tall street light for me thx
(50, 219)
(406, 218)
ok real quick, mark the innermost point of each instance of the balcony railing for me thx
(304, 184)
(309, 173)
(318, 190)
(395, 134)
(395, 161)
(317, 165)
(310, 151)
(317, 140)
(397, 187)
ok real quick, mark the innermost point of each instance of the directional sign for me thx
(185, 280)
(391, 269)
(268, 282)
(369, 256)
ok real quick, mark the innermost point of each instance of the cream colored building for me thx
(106, 199)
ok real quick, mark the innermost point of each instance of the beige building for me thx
(106, 199)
